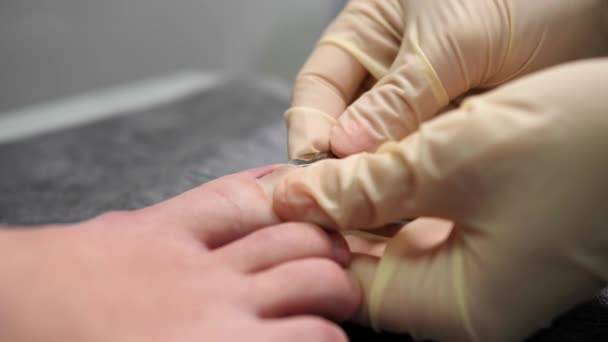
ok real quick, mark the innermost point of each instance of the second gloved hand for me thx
(520, 171)
(421, 55)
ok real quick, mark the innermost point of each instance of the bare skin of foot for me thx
(213, 264)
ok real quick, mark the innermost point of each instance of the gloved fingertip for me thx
(287, 205)
(292, 204)
(268, 181)
(362, 269)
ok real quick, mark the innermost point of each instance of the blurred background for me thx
(56, 49)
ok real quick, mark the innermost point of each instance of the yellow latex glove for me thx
(521, 170)
(422, 55)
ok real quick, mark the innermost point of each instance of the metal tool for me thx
(310, 158)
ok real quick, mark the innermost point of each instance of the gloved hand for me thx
(422, 55)
(521, 171)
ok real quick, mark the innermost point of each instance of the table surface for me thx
(153, 153)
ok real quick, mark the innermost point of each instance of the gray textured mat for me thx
(141, 158)
(144, 157)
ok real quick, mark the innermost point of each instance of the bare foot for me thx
(212, 264)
